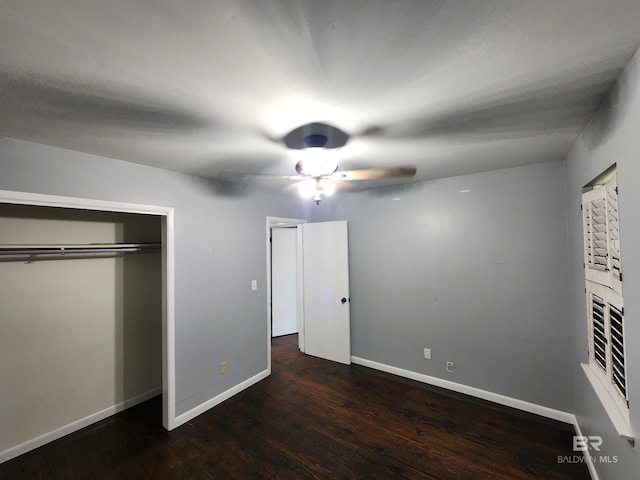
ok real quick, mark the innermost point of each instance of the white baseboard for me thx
(203, 407)
(467, 390)
(75, 426)
(589, 460)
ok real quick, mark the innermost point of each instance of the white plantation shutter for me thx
(597, 330)
(603, 275)
(607, 351)
(618, 351)
(613, 232)
(601, 229)
(595, 229)
(599, 241)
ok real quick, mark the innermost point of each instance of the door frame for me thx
(283, 222)
(168, 287)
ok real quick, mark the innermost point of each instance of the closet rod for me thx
(32, 252)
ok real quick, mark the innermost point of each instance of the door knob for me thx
(344, 300)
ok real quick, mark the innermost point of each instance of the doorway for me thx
(321, 288)
(285, 318)
(293, 287)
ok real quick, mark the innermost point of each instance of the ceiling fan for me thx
(99, 111)
(318, 170)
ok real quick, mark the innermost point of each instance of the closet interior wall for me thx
(77, 335)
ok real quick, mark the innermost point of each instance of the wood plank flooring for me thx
(315, 419)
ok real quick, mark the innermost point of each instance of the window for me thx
(605, 309)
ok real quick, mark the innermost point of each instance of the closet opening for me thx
(87, 314)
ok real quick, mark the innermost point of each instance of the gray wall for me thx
(220, 248)
(611, 137)
(478, 277)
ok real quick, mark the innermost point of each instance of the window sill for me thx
(618, 418)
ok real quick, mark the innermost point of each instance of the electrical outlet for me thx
(223, 368)
(450, 367)
(427, 353)
(254, 285)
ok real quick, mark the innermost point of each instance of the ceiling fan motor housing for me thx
(315, 140)
(315, 135)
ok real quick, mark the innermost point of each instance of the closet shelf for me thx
(43, 251)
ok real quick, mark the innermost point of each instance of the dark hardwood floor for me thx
(315, 419)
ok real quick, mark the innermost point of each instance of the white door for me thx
(327, 329)
(284, 281)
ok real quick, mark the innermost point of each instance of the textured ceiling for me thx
(213, 87)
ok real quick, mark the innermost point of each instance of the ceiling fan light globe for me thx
(328, 187)
(307, 189)
(316, 162)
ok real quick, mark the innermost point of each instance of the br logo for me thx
(583, 443)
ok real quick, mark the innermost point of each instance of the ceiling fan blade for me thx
(553, 104)
(241, 177)
(101, 107)
(374, 173)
